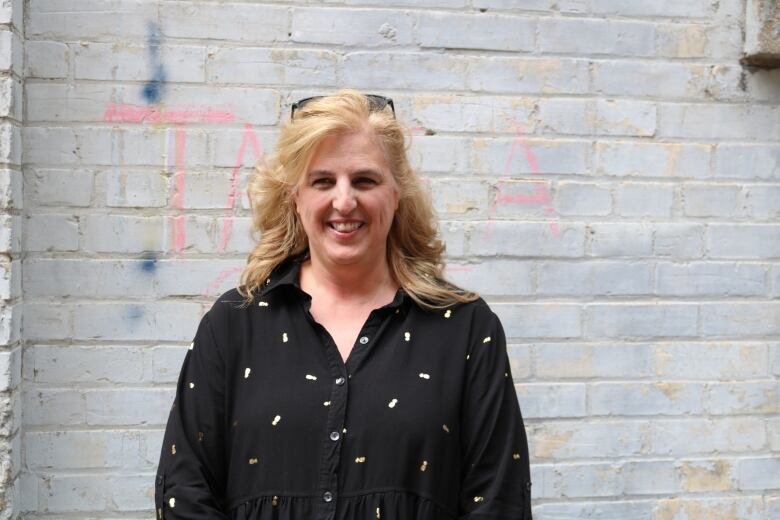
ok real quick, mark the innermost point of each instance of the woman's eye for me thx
(321, 183)
(365, 181)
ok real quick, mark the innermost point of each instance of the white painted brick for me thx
(760, 397)
(89, 19)
(740, 319)
(522, 198)
(207, 190)
(11, 99)
(626, 117)
(223, 21)
(455, 198)
(773, 427)
(744, 508)
(51, 406)
(10, 324)
(486, 31)
(521, 75)
(54, 187)
(226, 144)
(45, 321)
(526, 239)
(10, 143)
(652, 159)
(10, 231)
(711, 279)
(75, 364)
(642, 320)
(11, 52)
(594, 279)
(607, 239)
(601, 360)
(644, 199)
(254, 105)
(669, 80)
(44, 59)
(546, 481)
(671, 8)
(596, 37)
(127, 234)
(162, 321)
(365, 27)
(678, 241)
(561, 440)
(440, 154)
(762, 201)
(512, 5)
(650, 477)
(600, 509)
(73, 493)
(552, 400)
(129, 406)
(74, 450)
(11, 13)
(747, 161)
(452, 4)
(566, 116)
(546, 320)
(454, 235)
(706, 475)
(775, 280)
(591, 480)
(130, 62)
(682, 40)
(658, 398)
(240, 239)
(711, 200)
(759, 474)
(743, 240)
(50, 233)
(136, 188)
(47, 145)
(402, 70)
(10, 369)
(719, 121)
(166, 363)
(711, 361)
(472, 113)
(11, 189)
(511, 156)
(519, 362)
(673, 436)
(263, 66)
(10, 283)
(132, 492)
(575, 198)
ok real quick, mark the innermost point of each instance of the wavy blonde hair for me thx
(414, 251)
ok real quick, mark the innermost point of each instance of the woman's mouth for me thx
(345, 227)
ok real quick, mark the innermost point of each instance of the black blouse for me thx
(421, 423)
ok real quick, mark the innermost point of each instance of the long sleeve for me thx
(495, 470)
(191, 475)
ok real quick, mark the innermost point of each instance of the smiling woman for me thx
(345, 378)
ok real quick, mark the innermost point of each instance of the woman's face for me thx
(346, 200)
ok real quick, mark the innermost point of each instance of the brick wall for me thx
(605, 171)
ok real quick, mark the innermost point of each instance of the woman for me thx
(345, 379)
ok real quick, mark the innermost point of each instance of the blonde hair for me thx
(414, 251)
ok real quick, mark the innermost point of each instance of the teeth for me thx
(346, 226)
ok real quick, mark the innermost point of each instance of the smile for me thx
(345, 227)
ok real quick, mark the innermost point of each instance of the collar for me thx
(287, 274)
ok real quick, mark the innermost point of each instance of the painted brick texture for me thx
(605, 171)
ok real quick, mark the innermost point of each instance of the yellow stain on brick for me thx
(706, 475)
(670, 390)
(546, 446)
(679, 509)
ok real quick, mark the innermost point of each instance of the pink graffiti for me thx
(123, 113)
(541, 193)
(249, 137)
(177, 201)
(221, 277)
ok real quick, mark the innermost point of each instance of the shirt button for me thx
(334, 436)
(363, 340)
(327, 496)
(340, 381)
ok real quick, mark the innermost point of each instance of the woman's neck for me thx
(351, 284)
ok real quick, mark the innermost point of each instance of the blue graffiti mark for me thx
(149, 263)
(153, 89)
(133, 313)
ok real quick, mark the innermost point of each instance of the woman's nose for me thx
(344, 198)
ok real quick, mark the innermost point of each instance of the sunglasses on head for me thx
(375, 103)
